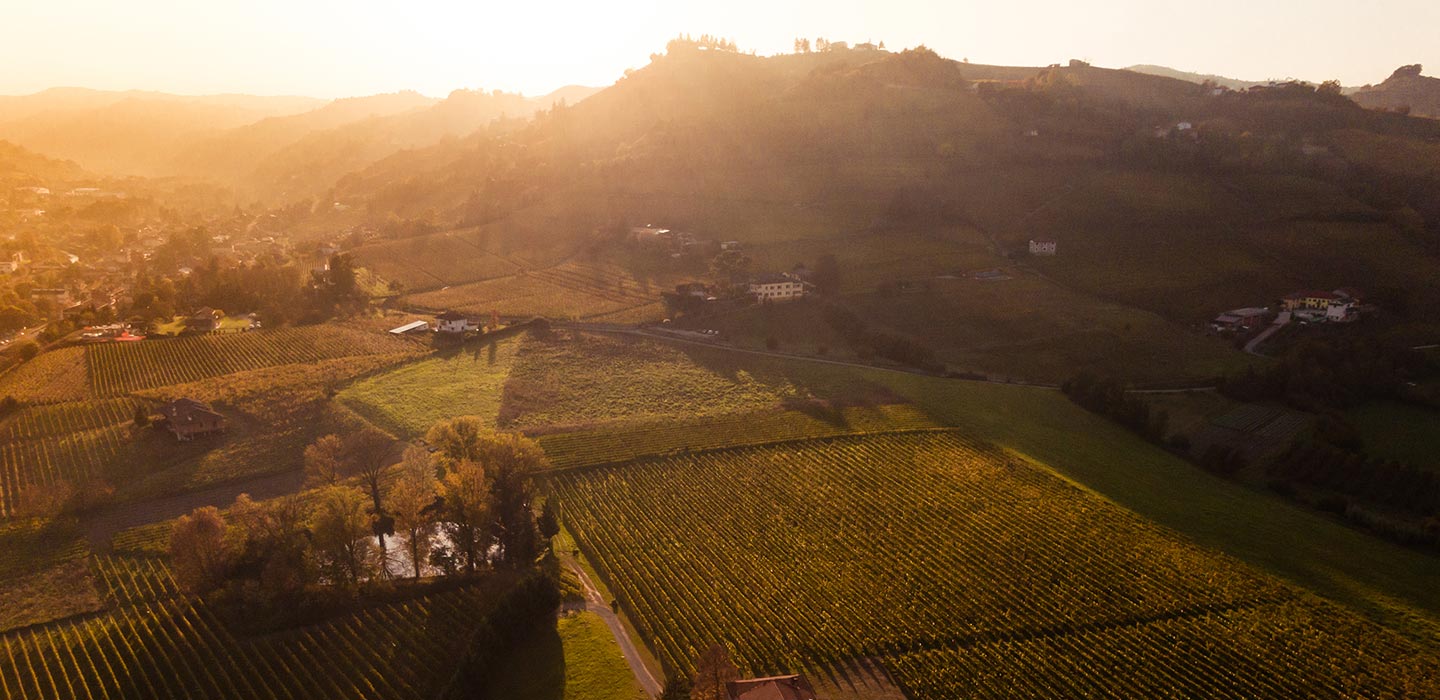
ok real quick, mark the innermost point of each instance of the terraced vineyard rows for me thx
(806, 554)
(58, 375)
(571, 290)
(158, 645)
(617, 443)
(120, 368)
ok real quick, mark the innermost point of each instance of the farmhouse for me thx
(203, 320)
(777, 287)
(187, 418)
(1042, 246)
(454, 322)
(793, 687)
(1245, 319)
(1313, 299)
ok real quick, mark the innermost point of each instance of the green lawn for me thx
(1398, 431)
(577, 659)
(408, 400)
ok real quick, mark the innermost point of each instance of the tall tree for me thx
(200, 551)
(366, 454)
(466, 491)
(324, 461)
(340, 530)
(412, 504)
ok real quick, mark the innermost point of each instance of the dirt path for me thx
(101, 525)
(1280, 322)
(596, 604)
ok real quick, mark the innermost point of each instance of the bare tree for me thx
(713, 671)
(366, 454)
(324, 465)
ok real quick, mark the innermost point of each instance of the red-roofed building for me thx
(1313, 299)
(793, 687)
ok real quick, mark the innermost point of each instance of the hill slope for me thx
(1404, 89)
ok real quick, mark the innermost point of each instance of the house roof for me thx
(181, 411)
(793, 687)
(411, 326)
(1043, 239)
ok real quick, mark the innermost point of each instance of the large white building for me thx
(452, 322)
(1042, 246)
(777, 287)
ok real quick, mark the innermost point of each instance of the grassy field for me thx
(43, 573)
(570, 291)
(1401, 432)
(816, 556)
(409, 399)
(582, 379)
(577, 659)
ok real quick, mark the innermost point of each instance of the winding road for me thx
(596, 604)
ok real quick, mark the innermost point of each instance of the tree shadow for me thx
(534, 669)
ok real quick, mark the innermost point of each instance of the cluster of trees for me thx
(821, 44)
(474, 489)
(1109, 398)
(1411, 496)
(280, 293)
(1329, 373)
(706, 42)
(872, 343)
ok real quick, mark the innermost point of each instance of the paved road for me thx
(1280, 322)
(594, 603)
(103, 524)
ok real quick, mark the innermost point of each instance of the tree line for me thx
(1399, 488)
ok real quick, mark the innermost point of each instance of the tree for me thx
(200, 550)
(412, 503)
(549, 521)
(366, 453)
(457, 439)
(340, 531)
(510, 459)
(713, 670)
(324, 461)
(142, 417)
(272, 541)
(467, 511)
(28, 350)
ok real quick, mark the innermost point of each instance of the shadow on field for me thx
(534, 669)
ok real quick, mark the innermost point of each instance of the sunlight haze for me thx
(336, 49)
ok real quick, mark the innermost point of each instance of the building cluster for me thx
(1337, 306)
(1043, 246)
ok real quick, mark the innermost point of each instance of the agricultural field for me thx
(577, 659)
(155, 643)
(818, 557)
(121, 368)
(69, 443)
(572, 290)
(625, 442)
(578, 379)
(43, 573)
(409, 399)
(434, 261)
(869, 260)
(1402, 432)
(58, 375)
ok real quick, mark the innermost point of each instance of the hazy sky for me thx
(332, 48)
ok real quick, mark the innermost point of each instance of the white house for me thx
(1340, 312)
(1042, 246)
(452, 322)
(777, 287)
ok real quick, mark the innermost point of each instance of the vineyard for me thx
(618, 443)
(437, 260)
(567, 291)
(121, 368)
(58, 375)
(157, 643)
(70, 442)
(911, 547)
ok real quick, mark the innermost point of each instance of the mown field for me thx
(409, 399)
(1402, 432)
(813, 552)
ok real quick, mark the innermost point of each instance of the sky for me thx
(333, 48)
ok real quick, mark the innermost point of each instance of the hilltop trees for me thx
(413, 504)
(200, 550)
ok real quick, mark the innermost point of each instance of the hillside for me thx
(1219, 80)
(20, 167)
(1405, 89)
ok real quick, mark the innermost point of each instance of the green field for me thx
(409, 399)
(806, 553)
(568, 291)
(577, 659)
(1402, 432)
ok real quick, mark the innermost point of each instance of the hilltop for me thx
(1405, 89)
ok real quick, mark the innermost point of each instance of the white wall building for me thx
(1042, 246)
(777, 287)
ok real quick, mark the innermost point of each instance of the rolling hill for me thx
(1405, 89)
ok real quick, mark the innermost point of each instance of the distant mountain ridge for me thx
(1220, 80)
